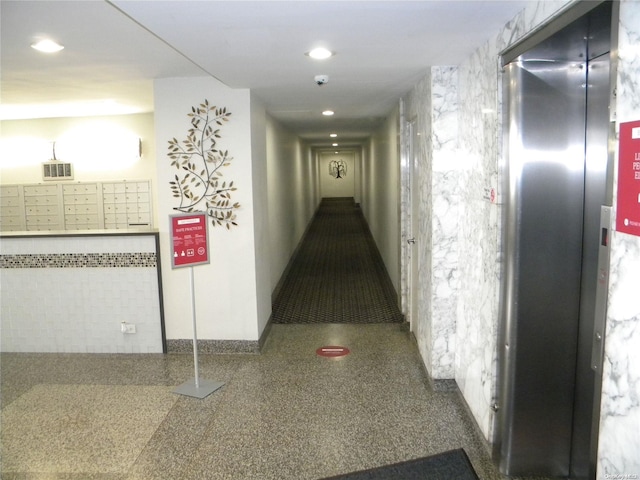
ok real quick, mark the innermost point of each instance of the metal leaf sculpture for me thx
(198, 160)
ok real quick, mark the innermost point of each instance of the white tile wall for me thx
(80, 309)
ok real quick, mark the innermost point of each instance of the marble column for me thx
(432, 109)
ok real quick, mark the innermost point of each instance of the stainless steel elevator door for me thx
(546, 152)
(557, 98)
(596, 154)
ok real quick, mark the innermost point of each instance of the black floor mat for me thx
(452, 465)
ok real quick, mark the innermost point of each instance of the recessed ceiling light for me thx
(334, 144)
(320, 53)
(333, 135)
(47, 46)
(328, 113)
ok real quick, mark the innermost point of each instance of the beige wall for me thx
(26, 144)
(331, 186)
(381, 193)
(293, 196)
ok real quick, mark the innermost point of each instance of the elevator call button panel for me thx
(597, 351)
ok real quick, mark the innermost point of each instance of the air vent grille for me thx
(57, 171)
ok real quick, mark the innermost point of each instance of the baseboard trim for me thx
(221, 346)
(450, 385)
(437, 384)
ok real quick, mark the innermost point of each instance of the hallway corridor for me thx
(337, 274)
(285, 414)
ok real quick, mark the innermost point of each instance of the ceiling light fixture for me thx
(333, 135)
(47, 46)
(320, 53)
(328, 113)
(334, 144)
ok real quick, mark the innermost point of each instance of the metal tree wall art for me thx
(198, 183)
(338, 168)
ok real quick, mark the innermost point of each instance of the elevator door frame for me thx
(510, 442)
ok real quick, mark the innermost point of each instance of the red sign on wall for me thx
(628, 204)
(189, 245)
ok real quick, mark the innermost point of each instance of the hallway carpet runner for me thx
(452, 465)
(337, 275)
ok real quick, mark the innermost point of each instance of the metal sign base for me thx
(201, 390)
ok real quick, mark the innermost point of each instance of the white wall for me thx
(380, 193)
(226, 289)
(331, 186)
(293, 194)
(278, 188)
(261, 211)
(358, 160)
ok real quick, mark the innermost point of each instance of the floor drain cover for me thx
(332, 351)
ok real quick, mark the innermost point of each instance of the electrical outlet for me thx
(127, 327)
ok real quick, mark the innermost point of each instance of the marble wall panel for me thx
(460, 182)
(445, 188)
(478, 234)
(432, 109)
(480, 86)
(424, 245)
(619, 436)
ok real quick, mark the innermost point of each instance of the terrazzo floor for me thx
(286, 413)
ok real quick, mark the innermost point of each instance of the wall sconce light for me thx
(18, 152)
(100, 146)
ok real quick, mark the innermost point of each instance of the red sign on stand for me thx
(189, 244)
(628, 204)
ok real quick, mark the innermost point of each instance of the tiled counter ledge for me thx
(73, 292)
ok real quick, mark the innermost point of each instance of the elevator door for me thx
(557, 100)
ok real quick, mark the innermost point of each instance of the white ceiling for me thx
(114, 50)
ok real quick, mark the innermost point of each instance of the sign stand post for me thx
(189, 241)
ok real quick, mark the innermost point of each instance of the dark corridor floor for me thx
(337, 275)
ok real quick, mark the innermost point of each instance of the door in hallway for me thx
(413, 237)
